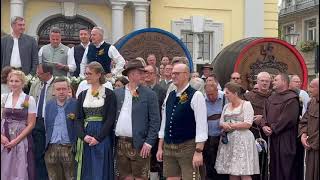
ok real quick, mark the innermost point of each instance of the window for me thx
(311, 29)
(288, 31)
(187, 39)
(198, 44)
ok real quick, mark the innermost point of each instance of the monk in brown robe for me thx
(257, 98)
(309, 131)
(280, 124)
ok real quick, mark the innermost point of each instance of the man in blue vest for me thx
(103, 53)
(184, 129)
(78, 51)
(60, 132)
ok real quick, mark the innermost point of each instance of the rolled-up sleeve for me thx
(198, 104)
(117, 58)
(71, 61)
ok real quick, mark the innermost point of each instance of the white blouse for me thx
(6, 99)
(91, 101)
(247, 113)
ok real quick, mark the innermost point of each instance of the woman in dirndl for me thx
(237, 153)
(17, 121)
(95, 120)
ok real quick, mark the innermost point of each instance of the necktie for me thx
(41, 100)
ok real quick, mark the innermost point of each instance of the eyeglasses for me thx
(177, 73)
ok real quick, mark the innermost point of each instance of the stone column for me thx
(117, 20)
(140, 15)
(16, 8)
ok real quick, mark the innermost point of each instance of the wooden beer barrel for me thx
(155, 41)
(253, 55)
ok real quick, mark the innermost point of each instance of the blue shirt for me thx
(60, 130)
(214, 108)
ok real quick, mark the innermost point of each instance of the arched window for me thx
(69, 30)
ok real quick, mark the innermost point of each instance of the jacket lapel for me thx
(20, 42)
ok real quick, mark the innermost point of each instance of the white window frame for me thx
(284, 26)
(304, 33)
(198, 24)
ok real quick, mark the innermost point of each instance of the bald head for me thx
(180, 75)
(314, 88)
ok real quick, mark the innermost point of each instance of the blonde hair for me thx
(20, 75)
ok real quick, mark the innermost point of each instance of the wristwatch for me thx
(198, 150)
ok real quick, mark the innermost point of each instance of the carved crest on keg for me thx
(155, 43)
(269, 63)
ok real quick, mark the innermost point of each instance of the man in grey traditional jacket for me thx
(19, 50)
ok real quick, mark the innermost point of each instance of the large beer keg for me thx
(252, 55)
(155, 41)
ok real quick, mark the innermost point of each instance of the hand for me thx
(267, 130)
(226, 127)
(11, 144)
(87, 139)
(60, 66)
(145, 150)
(197, 160)
(304, 142)
(159, 155)
(4, 140)
(93, 142)
(257, 119)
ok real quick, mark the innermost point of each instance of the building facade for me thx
(299, 25)
(205, 26)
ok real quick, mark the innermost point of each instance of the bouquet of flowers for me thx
(29, 81)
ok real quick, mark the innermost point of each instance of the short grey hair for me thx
(197, 84)
(14, 19)
(263, 73)
(55, 30)
(100, 30)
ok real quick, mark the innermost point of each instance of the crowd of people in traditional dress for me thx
(131, 119)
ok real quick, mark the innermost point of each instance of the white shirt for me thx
(304, 97)
(84, 86)
(71, 51)
(15, 60)
(198, 105)
(45, 96)
(93, 102)
(113, 53)
(124, 123)
(6, 99)
(71, 63)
